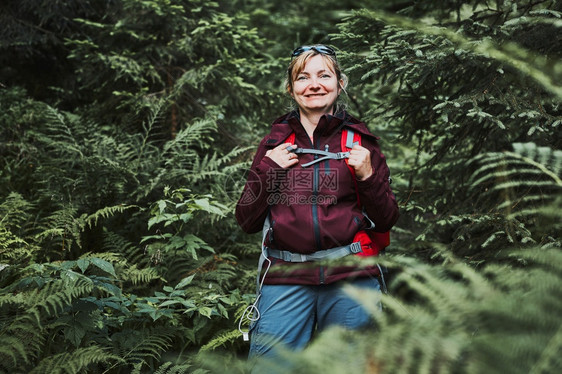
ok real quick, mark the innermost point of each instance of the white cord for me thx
(384, 289)
(252, 313)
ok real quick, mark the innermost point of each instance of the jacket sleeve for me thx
(253, 207)
(374, 192)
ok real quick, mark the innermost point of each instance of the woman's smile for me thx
(316, 88)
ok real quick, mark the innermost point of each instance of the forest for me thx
(127, 128)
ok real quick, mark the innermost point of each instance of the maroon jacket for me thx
(315, 208)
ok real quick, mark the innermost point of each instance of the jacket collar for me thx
(283, 126)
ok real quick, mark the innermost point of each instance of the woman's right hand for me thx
(282, 156)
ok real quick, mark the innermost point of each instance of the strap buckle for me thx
(355, 247)
(341, 155)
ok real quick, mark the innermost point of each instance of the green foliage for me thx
(14, 211)
(37, 305)
(129, 311)
(454, 83)
(125, 130)
(80, 304)
(515, 187)
(531, 173)
(75, 362)
(503, 318)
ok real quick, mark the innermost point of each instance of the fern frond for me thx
(55, 296)
(24, 336)
(14, 250)
(221, 340)
(170, 368)
(522, 178)
(21, 340)
(133, 254)
(145, 345)
(106, 212)
(14, 210)
(62, 229)
(140, 276)
(76, 361)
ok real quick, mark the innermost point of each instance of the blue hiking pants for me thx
(291, 314)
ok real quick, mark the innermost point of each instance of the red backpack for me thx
(372, 242)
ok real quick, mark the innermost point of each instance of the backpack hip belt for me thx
(326, 254)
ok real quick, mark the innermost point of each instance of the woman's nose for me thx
(314, 83)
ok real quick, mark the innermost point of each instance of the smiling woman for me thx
(316, 90)
(315, 81)
(308, 214)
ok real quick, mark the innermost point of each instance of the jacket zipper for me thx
(321, 277)
(327, 162)
(315, 223)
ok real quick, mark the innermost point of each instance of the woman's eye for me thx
(301, 78)
(325, 76)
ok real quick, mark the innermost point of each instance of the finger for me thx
(359, 156)
(288, 162)
(292, 162)
(283, 146)
(359, 150)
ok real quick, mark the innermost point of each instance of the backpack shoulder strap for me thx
(380, 240)
(348, 139)
(351, 138)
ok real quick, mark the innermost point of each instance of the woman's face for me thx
(316, 87)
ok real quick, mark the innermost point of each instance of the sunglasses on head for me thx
(320, 48)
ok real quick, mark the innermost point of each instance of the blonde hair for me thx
(297, 66)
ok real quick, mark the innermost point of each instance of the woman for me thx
(313, 212)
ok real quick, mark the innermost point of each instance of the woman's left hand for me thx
(360, 161)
